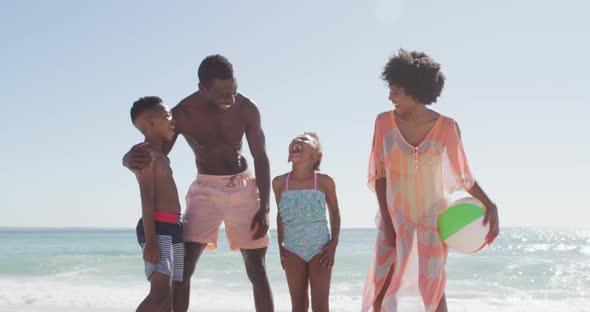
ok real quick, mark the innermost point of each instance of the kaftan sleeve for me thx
(456, 173)
(377, 159)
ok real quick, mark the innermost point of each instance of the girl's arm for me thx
(381, 191)
(333, 209)
(329, 251)
(277, 187)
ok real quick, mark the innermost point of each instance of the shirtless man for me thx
(213, 121)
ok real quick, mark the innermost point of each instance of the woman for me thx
(417, 161)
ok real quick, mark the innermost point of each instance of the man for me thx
(213, 121)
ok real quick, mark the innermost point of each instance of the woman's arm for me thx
(491, 215)
(386, 221)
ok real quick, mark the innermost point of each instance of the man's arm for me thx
(256, 142)
(137, 158)
(277, 187)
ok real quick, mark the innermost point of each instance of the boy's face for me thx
(161, 122)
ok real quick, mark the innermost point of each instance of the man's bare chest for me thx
(205, 129)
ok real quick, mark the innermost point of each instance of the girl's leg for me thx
(379, 298)
(319, 278)
(297, 278)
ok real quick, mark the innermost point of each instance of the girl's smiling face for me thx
(304, 148)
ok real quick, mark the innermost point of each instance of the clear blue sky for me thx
(517, 75)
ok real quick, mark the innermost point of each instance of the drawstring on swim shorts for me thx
(235, 180)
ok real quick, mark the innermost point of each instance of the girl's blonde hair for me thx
(318, 146)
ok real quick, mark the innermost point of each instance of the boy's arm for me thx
(329, 251)
(151, 252)
(277, 186)
(256, 143)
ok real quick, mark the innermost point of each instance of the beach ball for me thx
(460, 225)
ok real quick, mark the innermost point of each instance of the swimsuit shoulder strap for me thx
(287, 182)
(315, 180)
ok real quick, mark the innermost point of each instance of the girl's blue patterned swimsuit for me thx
(303, 214)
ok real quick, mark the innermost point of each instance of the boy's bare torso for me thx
(165, 192)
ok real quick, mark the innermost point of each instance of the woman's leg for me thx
(379, 298)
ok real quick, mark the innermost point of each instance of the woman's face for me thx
(399, 98)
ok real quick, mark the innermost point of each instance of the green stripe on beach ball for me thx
(461, 213)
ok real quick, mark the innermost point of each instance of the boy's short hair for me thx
(215, 67)
(418, 73)
(143, 104)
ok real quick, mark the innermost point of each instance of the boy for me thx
(159, 231)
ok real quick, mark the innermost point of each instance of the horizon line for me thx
(4, 228)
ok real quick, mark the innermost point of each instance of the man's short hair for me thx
(418, 73)
(143, 104)
(215, 67)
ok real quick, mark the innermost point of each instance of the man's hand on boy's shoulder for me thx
(138, 157)
(151, 253)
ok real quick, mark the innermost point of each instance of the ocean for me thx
(526, 269)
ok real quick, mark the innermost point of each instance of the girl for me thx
(306, 248)
(417, 160)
